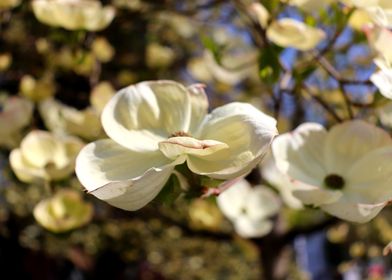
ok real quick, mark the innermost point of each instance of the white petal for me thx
(261, 14)
(348, 142)
(177, 146)
(261, 203)
(247, 131)
(280, 181)
(288, 32)
(353, 212)
(315, 196)
(233, 200)
(298, 155)
(199, 104)
(41, 148)
(125, 179)
(383, 81)
(369, 180)
(140, 116)
(25, 171)
(248, 228)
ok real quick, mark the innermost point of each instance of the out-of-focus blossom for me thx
(249, 208)
(232, 69)
(74, 14)
(288, 32)
(261, 13)
(382, 79)
(346, 171)
(182, 25)
(100, 95)
(63, 212)
(154, 126)
(359, 20)
(102, 49)
(80, 61)
(62, 119)
(44, 156)
(65, 120)
(37, 90)
(379, 40)
(385, 114)
(126, 77)
(379, 10)
(5, 61)
(310, 5)
(158, 56)
(204, 214)
(280, 181)
(15, 114)
(43, 45)
(8, 4)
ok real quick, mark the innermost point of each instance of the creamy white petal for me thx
(262, 203)
(233, 200)
(315, 195)
(41, 148)
(177, 146)
(248, 228)
(247, 131)
(350, 141)
(125, 179)
(140, 116)
(383, 81)
(369, 180)
(298, 153)
(25, 171)
(280, 181)
(352, 211)
(288, 32)
(199, 107)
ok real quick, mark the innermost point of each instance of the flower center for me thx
(334, 181)
(180, 134)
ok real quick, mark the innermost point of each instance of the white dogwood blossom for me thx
(15, 114)
(288, 32)
(63, 212)
(8, 4)
(154, 126)
(382, 79)
(346, 171)
(44, 156)
(249, 208)
(379, 10)
(74, 14)
(310, 5)
(280, 181)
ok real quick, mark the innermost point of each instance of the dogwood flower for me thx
(347, 171)
(65, 120)
(382, 79)
(379, 10)
(310, 5)
(74, 14)
(288, 32)
(63, 212)
(15, 114)
(280, 181)
(43, 156)
(154, 126)
(8, 4)
(249, 208)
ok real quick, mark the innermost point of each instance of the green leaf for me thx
(269, 65)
